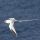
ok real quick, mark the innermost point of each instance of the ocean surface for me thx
(20, 10)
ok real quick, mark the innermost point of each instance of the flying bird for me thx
(11, 22)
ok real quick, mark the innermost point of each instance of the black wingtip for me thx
(13, 34)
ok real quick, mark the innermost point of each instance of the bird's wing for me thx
(13, 33)
(13, 29)
(7, 21)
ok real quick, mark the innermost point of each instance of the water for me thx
(20, 9)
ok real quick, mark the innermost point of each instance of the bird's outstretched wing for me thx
(13, 33)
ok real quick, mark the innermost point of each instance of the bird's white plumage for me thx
(7, 21)
(11, 21)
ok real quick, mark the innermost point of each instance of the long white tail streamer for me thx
(26, 20)
(11, 21)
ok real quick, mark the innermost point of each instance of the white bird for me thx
(11, 22)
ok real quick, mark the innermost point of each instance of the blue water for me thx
(20, 9)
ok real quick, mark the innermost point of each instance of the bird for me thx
(11, 22)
